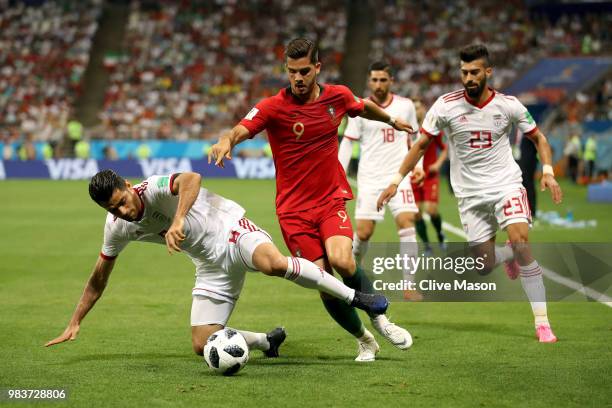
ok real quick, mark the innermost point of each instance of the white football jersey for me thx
(207, 224)
(382, 147)
(478, 137)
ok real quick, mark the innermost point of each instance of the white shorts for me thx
(483, 215)
(223, 280)
(205, 310)
(402, 202)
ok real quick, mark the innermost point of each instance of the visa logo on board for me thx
(152, 167)
(262, 168)
(71, 169)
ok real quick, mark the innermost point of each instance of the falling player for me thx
(302, 123)
(176, 211)
(382, 150)
(426, 194)
(484, 175)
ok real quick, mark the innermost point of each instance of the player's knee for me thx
(364, 230)
(343, 263)
(277, 266)
(364, 234)
(269, 261)
(486, 269)
(518, 238)
(520, 246)
(487, 259)
(198, 347)
(200, 335)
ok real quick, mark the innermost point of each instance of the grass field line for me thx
(550, 274)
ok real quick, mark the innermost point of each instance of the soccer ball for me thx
(226, 351)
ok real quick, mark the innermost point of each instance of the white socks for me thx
(359, 248)
(408, 246)
(533, 285)
(308, 275)
(503, 254)
(256, 341)
(366, 336)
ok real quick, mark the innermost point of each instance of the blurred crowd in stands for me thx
(44, 51)
(190, 69)
(596, 105)
(421, 40)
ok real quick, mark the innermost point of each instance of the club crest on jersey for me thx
(331, 111)
(497, 120)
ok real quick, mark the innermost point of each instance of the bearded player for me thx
(382, 150)
(302, 123)
(485, 178)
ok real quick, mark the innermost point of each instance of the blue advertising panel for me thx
(83, 169)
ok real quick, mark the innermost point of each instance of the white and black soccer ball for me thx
(226, 351)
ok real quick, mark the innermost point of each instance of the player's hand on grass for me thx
(219, 151)
(548, 182)
(175, 235)
(418, 175)
(403, 126)
(385, 196)
(69, 334)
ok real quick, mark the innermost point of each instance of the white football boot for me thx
(368, 347)
(396, 335)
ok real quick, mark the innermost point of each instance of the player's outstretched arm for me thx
(548, 177)
(374, 112)
(92, 292)
(187, 186)
(344, 152)
(223, 148)
(414, 155)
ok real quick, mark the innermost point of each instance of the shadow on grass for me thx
(286, 360)
(303, 360)
(125, 357)
(492, 328)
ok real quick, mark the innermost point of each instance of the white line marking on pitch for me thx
(552, 275)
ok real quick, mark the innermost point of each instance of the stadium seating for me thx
(421, 39)
(44, 51)
(189, 70)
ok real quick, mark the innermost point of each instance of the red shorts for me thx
(428, 191)
(305, 232)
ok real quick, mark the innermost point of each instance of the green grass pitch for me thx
(134, 348)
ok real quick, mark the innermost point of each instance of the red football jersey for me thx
(431, 154)
(304, 142)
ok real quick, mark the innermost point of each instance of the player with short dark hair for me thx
(302, 122)
(382, 150)
(478, 121)
(222, 243)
